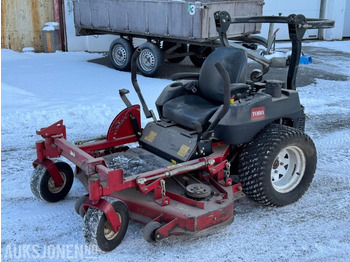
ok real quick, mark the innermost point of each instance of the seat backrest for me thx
(211, 84)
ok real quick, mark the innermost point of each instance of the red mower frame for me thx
(100, 181)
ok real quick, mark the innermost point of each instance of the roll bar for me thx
(297, 25)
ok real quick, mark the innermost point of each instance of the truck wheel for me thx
(277, 167)
(98, 231)
(149, 231)
(120, 53)
(150, 59)
(78, 207)
(43, 186)
(180, 50)
(201, 53)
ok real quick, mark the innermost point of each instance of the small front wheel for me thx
(78, 207)
(98, 230)
(149, 231)
(43, 186)
(150, 59)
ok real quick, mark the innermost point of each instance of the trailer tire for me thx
(78, 207)
(278, 166)
(98, 231)
(42, 185)
(201, 53)
(149, 231)
(150, 59)
(180, 50)
(120, 53)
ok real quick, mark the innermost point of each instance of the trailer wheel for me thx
(201, 53)
(150, 59)
(98, 231)
(78, 207)
(277, 167)
(180, 50)
(43, 186)
(120, 53)
(149, 231)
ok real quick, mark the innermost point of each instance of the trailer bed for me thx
(181, 20)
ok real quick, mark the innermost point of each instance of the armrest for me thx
(185, 76)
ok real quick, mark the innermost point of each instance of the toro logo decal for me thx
(257, 113)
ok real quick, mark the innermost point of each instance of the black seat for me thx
(194, 110)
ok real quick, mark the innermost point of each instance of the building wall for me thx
(346, 32)
(22, 21)
(99, 43)
(309, 8)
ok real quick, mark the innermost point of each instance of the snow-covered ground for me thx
(40, 89)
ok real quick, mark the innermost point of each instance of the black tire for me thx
(98, 231)
(43, 187)
(255, 75)
(78, 207)
(150, 59)
(180, 50)
(202, 53)
(120, 53)
(278, 166)
(149, 231)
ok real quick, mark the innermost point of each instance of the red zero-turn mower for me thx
(218, 136)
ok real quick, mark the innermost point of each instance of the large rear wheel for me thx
(278, 166)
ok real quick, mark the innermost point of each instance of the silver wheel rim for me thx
(108, 231)
(52, 187)
(147, 60)
(119, 55)
(288, 169)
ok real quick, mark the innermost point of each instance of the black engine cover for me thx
(248, 116)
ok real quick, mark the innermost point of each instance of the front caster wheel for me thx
(43, 186)
(78, 207)
(98, 231)
(277, 167)
(149, 231)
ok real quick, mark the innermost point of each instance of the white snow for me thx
(40, 89)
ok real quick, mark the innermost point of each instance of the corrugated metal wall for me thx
(22, 21)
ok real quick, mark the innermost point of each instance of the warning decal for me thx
(183, 150)
(151, 136)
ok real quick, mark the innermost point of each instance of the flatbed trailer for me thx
(173, 29)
